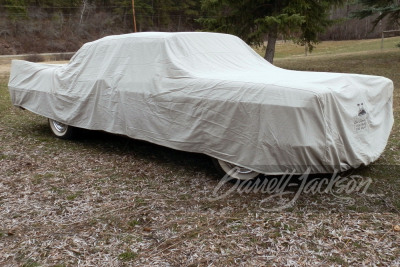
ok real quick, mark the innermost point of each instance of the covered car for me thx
(211, 93)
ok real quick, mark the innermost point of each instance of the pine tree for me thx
(385, 8)
(252, 20)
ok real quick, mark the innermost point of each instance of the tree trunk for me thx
(82, 11)
(270, 52)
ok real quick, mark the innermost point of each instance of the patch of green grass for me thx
(140, 201)
(133, 223)
(127, 256)
(359, 208)
(185, 197)
(38, 178)
(357, 244)
(30, 263)
(396, 204)
(74, 195)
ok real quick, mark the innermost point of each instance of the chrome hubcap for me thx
(59, 127)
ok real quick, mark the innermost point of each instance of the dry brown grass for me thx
(106, 200)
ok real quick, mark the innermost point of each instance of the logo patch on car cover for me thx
(361, 120)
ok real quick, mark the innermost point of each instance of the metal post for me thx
(381, 27)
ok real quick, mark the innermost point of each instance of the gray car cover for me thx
(211, 93)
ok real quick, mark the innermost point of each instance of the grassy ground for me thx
(289, 49)
(110, 200)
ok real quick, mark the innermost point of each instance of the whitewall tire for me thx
(61, 130)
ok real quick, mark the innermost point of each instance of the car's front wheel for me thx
(61, 130)
(234, 171)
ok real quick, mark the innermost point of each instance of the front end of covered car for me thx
(320, 122)
(359, 117)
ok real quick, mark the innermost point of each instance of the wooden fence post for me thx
(134, 16)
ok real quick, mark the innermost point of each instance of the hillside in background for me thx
(63, 26)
